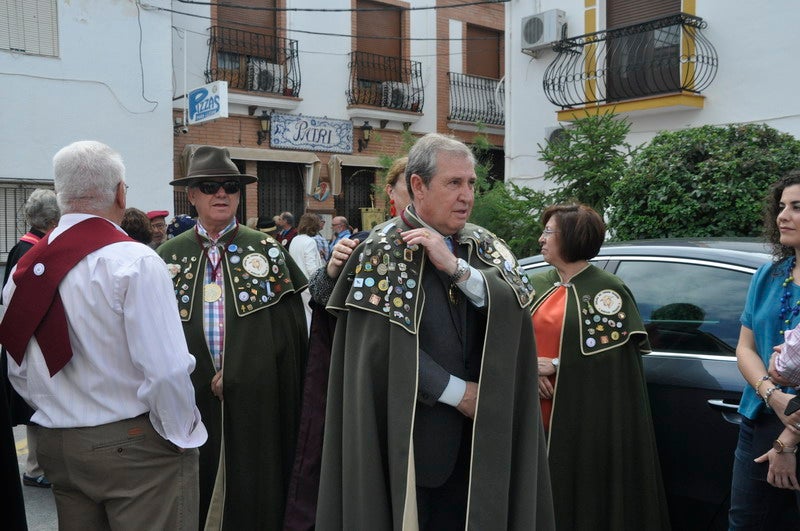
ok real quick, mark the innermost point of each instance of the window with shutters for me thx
(378, 32)
(247, 52)
(642, 63)
(13, 194)
(29, 26)
(477, 95)
(484, 52)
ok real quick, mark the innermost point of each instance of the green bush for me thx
(513, 213)
(587, 158)
(701, 182)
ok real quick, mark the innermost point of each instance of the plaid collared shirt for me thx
(214, 312)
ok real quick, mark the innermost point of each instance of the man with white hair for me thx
(98, 351)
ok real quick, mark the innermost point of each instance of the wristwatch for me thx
(461, 269)
(555, 362)
(781, 448)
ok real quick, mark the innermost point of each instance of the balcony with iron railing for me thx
(476, 99)
(385, 82)
(669, 55)
(253, 62)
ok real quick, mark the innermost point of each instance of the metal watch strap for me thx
(461, 269)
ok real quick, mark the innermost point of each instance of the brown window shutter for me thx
(627, 12)
(378, 24)
(386, 24)
(261, 21)
(484, 57)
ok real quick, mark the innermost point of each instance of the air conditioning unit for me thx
(396, 95)
(539, 32)
(264, 76)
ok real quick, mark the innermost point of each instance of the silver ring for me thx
(797, 425)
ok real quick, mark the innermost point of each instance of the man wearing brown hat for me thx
(238, 295)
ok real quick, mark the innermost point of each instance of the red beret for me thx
(157, 214)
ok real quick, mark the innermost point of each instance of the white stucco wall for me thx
(96, 89)
(756, 79)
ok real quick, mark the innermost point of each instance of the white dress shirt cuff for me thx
(474, 288)
(454, 391)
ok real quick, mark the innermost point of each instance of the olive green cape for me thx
(264, 355)
(367, 478)
(602, 450)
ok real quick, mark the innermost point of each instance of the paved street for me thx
(40, 508)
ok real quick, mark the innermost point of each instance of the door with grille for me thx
(357, 186)
(280, 189)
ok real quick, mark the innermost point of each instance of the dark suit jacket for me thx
(450, 343)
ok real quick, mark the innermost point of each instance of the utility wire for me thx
(340, 10)
(326, 34)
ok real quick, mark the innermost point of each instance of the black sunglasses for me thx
(212, 187)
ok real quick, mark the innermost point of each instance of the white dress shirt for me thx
(129, 352)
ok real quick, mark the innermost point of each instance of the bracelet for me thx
(769, 394)
(760, 381)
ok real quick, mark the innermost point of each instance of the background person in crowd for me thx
(238, 297)
(589, 340)
(301, 506)
(287, 232)
(41, 213)
(158, 224)
(322, 243)
(137, 225)
(396, 455)
(252, 223)
(341, 230)
(266, 225)
(306, 255)
(14, 504)
(396, 186)
(765, 464)
(180, 224)
(98, 352)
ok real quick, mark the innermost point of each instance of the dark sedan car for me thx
(690, 294)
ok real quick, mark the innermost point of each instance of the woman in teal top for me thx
(764, 492)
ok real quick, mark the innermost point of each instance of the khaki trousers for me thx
(121, 476)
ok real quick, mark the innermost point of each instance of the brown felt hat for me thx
(209, 162)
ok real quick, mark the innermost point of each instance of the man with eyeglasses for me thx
(158, 227)
(341, 230)
(238, 293)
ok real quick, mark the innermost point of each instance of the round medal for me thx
(212, 292)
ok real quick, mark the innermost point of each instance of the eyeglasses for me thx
(212, 187)
(546, 233)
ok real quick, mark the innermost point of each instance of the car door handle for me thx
(721, 405)
(729, 410)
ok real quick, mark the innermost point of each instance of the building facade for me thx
(89, 70)
(321, 96)
(660, 64)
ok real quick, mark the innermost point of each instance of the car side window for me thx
(688, 308)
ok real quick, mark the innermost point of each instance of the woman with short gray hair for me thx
(42, 214)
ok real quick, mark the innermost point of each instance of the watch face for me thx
(777, 446)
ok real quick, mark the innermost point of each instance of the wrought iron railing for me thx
(384, 81)
(660, 56)
(253, 61)
(476, 99)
